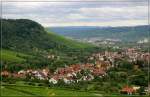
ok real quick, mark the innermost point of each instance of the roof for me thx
(128, 89)
(5, 73)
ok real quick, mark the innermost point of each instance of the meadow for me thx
(15, 91)
(41, 91)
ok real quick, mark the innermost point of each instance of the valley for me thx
(43, 60)
(105, 35)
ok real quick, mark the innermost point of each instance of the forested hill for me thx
(27, 35)
(128, 34)
(28, 44)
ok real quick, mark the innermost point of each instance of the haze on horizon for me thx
(113, 13)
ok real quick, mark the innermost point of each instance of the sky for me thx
(78, 12)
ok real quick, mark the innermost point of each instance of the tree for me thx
(126, 65)
(141, 91)
(140, 80)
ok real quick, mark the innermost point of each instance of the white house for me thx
(21, 72)
(74, 74)
(39, 76)
(69, 75)
(54, 81)
(67, 81)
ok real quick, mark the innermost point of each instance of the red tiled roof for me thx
(98, 72)
(18, 75)
(128, 89)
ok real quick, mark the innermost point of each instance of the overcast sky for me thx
(108, 13)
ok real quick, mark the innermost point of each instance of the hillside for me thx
(128, 34)
(68, 42)
(27, 42)
(27, 35)
(12, 56)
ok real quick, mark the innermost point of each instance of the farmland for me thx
(40, 91)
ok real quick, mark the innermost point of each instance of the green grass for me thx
(10, 92)
(12, 56)
(42, 91)
(36, 91)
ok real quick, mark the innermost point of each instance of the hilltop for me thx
(23, 34)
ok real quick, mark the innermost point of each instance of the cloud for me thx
(81, 0)
(115, 13)
(113, 23)
(80, 13)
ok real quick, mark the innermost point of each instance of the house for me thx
(45, 72)
(29, 71)
(105, 65)
(68, 80)
(76, 67)
(74, 74)
(98, 72)
(54, 80)
(22, 72)
(136, 88)
(5, 74)
(69, 75)
(40, 75)
(16, 75)
(88, 77)
(128, 90)
(50, 56)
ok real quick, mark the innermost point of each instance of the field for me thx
(40, 91)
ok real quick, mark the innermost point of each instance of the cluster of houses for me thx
(97, 66)
(76, 73)
(69, 74)
(130, 90)
(39, 74)
(130, 54)
(100, 63)
(133, 55)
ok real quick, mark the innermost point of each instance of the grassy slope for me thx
(35, 36)
(12, 56)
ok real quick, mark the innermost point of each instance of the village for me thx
(97, 66)
(68, 74)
